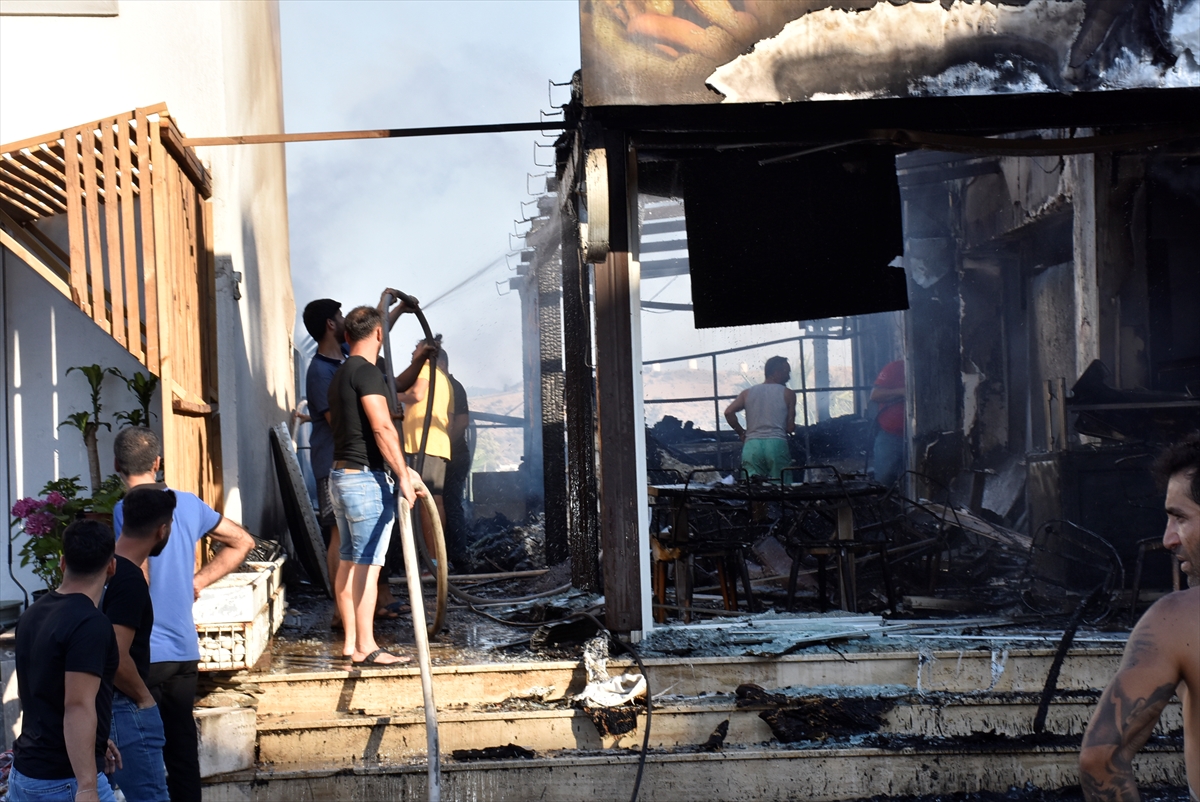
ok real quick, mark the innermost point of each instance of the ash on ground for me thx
(498, 544)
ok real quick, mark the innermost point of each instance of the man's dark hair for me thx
(88, 547)
(317, 314)
(774, 364)
(1182, 457)
(135, 449)
(361, 321)
(146, 509)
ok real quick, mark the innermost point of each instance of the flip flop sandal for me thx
(372, 659)
(397, 607)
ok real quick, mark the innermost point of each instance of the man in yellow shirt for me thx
(437, 447)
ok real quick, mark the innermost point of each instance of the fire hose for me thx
(412, 571)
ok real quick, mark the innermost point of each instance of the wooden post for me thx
(112, 227)
(583, 521)
(75, 220)
(215, 492)
(532, 384)
(160, 301)
(149, 260)
(622, 486)
(91, 205)
(129, 240)
(548, 281)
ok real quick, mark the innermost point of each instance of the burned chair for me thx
(843, 518)
(692, 523)
(1071, 568)
(721, 522)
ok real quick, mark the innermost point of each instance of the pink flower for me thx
(57, 499)
(26, 507)
(40, 523)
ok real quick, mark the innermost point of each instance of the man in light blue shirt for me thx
(174, 586)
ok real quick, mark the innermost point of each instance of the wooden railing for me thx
(114, 213)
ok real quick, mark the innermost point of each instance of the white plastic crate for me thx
(235, 621)
(239, 596)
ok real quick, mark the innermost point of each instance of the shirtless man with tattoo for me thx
(1162, 658)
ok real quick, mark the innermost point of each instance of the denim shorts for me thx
(27, 789)
(365, 505)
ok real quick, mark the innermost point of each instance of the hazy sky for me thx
(419, 214)
(423, 214)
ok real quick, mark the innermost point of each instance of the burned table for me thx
(722, 520)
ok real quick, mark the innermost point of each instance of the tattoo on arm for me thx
(1120, 727)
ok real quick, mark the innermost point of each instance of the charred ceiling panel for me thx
(799, 240)
(1174, 282)
(782, 51)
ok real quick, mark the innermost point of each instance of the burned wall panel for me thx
(1088, 195)
(1052, 341)
(1173, 253)
(934, 380)
(983, 368)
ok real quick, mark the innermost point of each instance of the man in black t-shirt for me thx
(66, 660)
(137, 727)
(365, 441)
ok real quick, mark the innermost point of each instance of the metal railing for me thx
(804, 391)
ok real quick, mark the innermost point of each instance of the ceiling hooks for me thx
(528, 176)
(550, 94)
(539, 146)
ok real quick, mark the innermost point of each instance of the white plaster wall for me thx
(45, 334)
(217, 66)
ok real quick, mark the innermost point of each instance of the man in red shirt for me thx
(889, 442)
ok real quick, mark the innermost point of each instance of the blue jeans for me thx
(139, 735)
(365, 505)
(27, 789)
(889, 457)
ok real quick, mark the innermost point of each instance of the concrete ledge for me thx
(357, 740)
(968, 671)
(822, 775)
(227, 738)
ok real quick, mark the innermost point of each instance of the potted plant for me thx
(44, 519)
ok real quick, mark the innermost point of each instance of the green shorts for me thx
(766, 458)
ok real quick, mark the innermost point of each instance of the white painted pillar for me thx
(639, 415)
(1082, 170)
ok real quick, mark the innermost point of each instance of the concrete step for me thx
(815, 714)
(734, 775)
(970, 670)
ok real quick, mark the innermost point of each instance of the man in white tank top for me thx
(770, 417)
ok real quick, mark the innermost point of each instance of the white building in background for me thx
(217, 68)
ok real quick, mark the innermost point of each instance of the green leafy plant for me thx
(105, 499)
(142, 386)
(89, 423)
